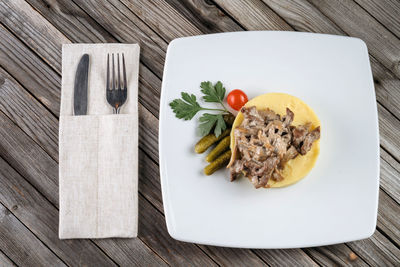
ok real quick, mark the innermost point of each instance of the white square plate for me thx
(337, 201)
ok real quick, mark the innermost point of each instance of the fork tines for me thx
(116, 91)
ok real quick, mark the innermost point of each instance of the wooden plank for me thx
(29, 72)
(254, 15)
(79, 27)
(76, 24)
(16, 13)
(389, 217)
(285, 257)
(43, 82)
(159, 15)
(117, 19)
(233, 256)
(390, 173)
(21, 245)
(386, 12)
(153, 231)
(206, 16)
(38, 158)
(386, 87)
(23, 100)
(5, 261)
(23, 155)
(389, 132)
(377, 250)
(149, 185)
(337, 255)
(42, 217)
(14, 102)
(13, 15)
(355, 21)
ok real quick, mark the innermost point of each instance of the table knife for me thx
(81, 86)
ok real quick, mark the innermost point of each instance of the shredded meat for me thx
(265, 142)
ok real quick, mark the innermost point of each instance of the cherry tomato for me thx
(236, 99)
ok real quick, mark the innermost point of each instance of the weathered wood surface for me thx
(23, 246)
(5, 261)
(386, 12)
(31, 35)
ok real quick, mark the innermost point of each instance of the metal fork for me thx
(116, 93)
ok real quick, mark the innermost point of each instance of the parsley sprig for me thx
(187, 107)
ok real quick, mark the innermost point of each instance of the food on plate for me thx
(229, 119)
(213, 126)
(187, 107)
(222, 146)
(236, 99)
(207, 141)
(274, 140)
(219, 163)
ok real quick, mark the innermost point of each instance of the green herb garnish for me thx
(187, 107)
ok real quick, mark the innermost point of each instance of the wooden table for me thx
(31, 35)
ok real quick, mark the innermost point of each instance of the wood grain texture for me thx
(5, 261)
(20, 244)
(386, 12)
(42, 217)
(45, 84)
(14, 102)
(281, 257)
(31, 158)
(160, 22)
(15, 15)
(337, 255)
(254, 15)
(151, 222)
(21, 69)
(51, 165)
(389, 132)
(126, 27)
(389, 217)
(355, 21)
(23, 154)
(205, 15)
(159, 15)
(377, 250)
(29, 69)
(390, 173)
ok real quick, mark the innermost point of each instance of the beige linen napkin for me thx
(98, 152)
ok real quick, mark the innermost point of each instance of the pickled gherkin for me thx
(219, 163)
(219, 149)
(208, 140)
(229, 118)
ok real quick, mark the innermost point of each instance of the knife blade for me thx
(81, 85)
